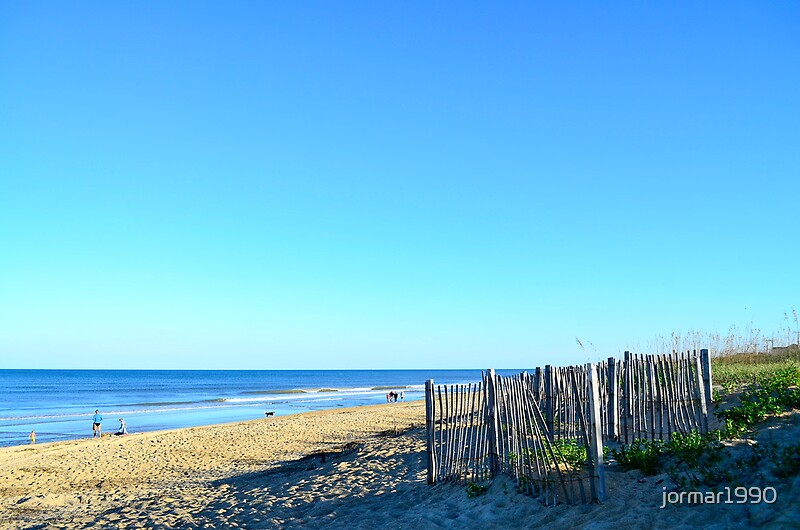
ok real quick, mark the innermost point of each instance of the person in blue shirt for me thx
(96, 431)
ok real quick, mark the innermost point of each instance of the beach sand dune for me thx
(348, 468)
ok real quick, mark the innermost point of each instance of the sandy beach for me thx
(348, 468)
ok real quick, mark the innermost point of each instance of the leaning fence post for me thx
(595, 435)
(613, 400)
(706, 361)
(493, 422)
(430, 425)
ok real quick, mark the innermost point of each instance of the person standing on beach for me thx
(97, 419)
(32, 437)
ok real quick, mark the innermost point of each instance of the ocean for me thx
(59, 404)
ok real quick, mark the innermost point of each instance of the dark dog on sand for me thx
(268, 414)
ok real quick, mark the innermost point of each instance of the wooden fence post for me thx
(627, 387)
(613, 400)
(548, 400)
(706, 361)
(493, 422)
(430, 425)
(701, 393)
(595, 436)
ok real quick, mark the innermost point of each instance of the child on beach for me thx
(96, 420)
(123, 427)
(32, 437)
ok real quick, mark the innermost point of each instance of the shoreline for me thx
(360, 467)
(80, 480)
(109, 435)
(59, 405)
(267, 423)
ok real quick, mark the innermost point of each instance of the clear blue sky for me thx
(391, 185)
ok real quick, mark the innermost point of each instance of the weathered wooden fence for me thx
(659, 395)
(522, 425)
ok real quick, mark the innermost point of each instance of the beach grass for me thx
(735, 371)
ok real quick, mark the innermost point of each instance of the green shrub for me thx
(786, 461)
(696, 459)
(476, 490)
(690, 459)
(771, 395)
(641, 454)
(573, 453)
(693, 449)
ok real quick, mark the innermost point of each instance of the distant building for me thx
(785, 349)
